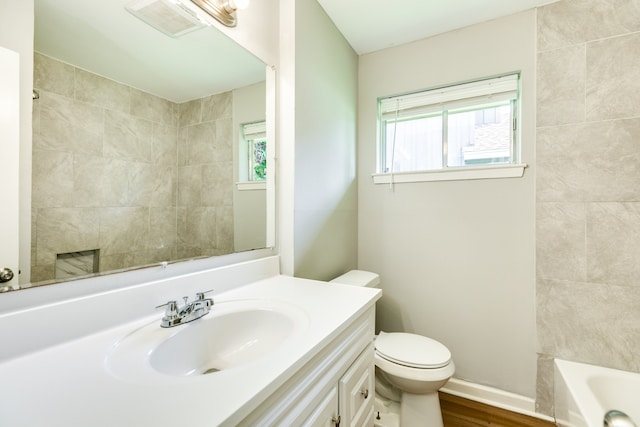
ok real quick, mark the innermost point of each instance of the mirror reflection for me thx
(138, 148)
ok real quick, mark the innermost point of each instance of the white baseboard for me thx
(494, 397)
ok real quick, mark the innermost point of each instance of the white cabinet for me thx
(337, 384)
(327, 413)
(356, 391)
(350, 403)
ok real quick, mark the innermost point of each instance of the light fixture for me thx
(222, 10)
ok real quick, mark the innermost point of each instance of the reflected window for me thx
(255, 140)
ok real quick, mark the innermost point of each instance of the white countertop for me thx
(71, 385)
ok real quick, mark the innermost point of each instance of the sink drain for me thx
(211, 371)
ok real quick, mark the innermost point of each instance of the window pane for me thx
(258, 159)
(466, 124)
(253, 152)
(413, 145)
(481, 136)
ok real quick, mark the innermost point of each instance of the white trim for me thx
(10, 106)
(452, 174)
(271, 107)
(255, 130)
(251, 185)
(494, 397)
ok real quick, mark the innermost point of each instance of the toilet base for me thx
(415, 410)
(420, 410)
(386, 413)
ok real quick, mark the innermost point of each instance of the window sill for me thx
(251, 185)
(452, 174)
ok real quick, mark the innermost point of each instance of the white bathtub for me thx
(585, 393)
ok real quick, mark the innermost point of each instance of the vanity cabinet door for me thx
(326, 414)
(335, 387)
(357, 391)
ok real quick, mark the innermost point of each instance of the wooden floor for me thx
(459, 412)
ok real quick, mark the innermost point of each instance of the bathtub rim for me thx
(574, 377)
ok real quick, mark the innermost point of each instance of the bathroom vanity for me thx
(274, 351)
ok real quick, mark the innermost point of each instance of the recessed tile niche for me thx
(73, 264)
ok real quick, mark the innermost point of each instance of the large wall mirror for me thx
(139, 155)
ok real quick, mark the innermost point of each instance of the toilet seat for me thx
(411, 350)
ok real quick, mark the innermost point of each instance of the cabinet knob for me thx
(365, 393)
(336, 420)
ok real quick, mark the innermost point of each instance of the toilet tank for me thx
(359, 278)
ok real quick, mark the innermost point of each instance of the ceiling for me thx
(102, 37)
(370, 25)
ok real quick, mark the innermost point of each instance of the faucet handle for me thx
(208, 302)
(171, 310)
(171, 315)
(200, 295)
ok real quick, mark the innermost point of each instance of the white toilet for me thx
(415, 365)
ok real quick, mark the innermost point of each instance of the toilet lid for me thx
(412, 350)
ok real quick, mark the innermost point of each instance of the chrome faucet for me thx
(174, 315)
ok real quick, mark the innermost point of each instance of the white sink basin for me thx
(221, 342)
(233, 334)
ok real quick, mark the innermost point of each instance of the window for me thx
(465, 126)
(255, 137)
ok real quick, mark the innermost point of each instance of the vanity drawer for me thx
(357, 391)
(326, 413)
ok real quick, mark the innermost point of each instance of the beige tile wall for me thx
(588, 186)
(205, 190)
(141, 178)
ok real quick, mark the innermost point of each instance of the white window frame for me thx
(440, 100)
(250, 132)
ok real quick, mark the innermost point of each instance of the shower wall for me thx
(588, 169)
(205, 176)
(135, 176)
